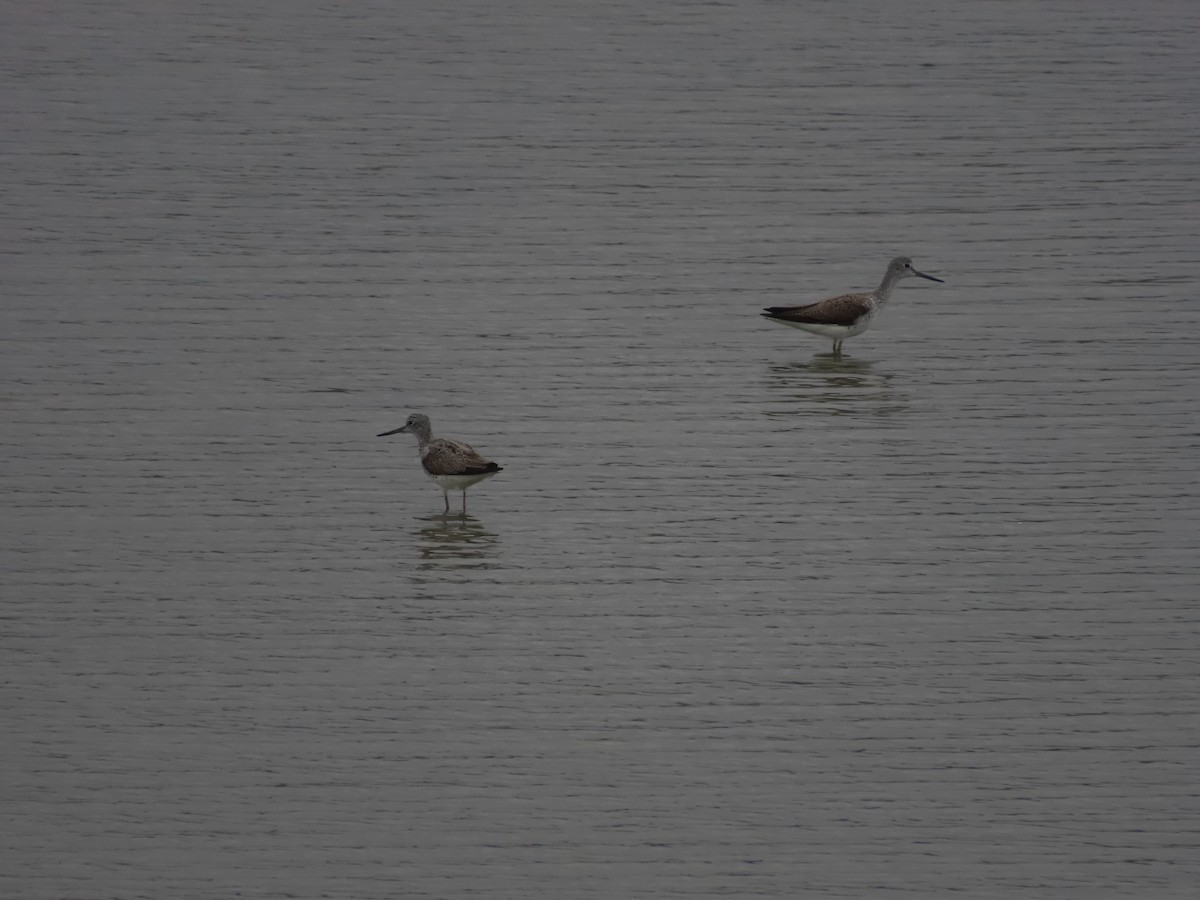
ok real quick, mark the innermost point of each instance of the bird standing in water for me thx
(453, 465)
(850, 314)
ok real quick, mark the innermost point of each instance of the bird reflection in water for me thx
(838, 371)
(456, 539)
(836, 385)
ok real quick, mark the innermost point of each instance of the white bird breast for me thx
(459, 482)
(830, 331)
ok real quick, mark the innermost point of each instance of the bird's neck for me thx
(884, 292)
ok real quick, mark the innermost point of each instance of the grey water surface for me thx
(738, 618)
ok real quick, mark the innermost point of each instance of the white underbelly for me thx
(830, 331)
(459, 482)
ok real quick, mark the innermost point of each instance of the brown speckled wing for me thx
(845, 310)
(446, 457)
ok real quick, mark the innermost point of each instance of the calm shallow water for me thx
(737, 619)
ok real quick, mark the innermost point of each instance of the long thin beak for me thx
(393, 431)
(930, 277)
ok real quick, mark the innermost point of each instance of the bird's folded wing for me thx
(445, 457)
(834, 311)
